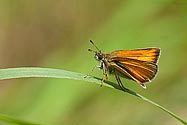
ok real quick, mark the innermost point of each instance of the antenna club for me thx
(91, 41)
(92, 50)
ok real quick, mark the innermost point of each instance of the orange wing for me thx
(139, 71)
(147, 54)
(138, 65)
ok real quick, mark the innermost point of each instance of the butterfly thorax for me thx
(103, 58)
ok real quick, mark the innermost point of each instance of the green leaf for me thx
(11, 73)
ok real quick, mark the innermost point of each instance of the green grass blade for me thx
(8, 119)
(11, 73)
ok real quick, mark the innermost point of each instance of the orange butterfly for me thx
(139, 65)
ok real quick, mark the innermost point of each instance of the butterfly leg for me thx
(119, 81)
(105, 77)
(90, 72)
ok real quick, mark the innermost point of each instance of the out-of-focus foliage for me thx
(56, 34)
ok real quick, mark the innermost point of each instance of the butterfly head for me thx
(98, 56)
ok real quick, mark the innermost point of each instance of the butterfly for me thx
(139, 65)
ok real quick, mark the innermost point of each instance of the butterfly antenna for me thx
(92, 50)
(95, 45)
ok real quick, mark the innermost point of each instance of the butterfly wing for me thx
(147, 54)
(138, 65)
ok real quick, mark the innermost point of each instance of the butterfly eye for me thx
(98, 56)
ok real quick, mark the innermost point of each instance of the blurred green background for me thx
(56, 34)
